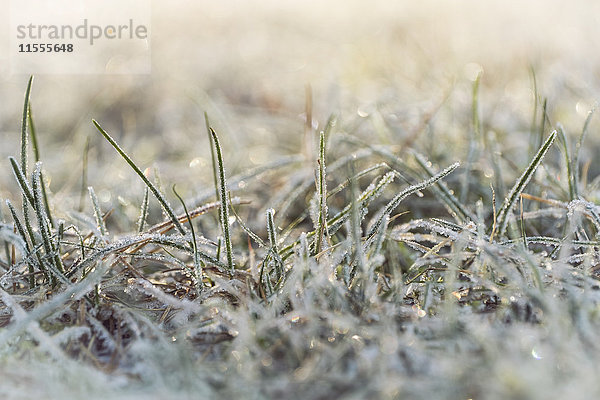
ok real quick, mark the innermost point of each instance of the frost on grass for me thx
(412, 294)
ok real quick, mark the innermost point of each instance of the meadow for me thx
(310, 201)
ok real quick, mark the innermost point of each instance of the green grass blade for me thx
(22, 181)
(567, 153)
(213, 160)
(322, 191)
(514, 194)
(474, 140)
(224, 201)
(577, 158)
(161, 199)
(21, 231)
(357, 176)
(43, 222)
(407, 192)
(24, 137)
(144, 210)
(36, 153)
(84, 174)
(442, 191)
(273, 242)
(98, 214)
(248, 231)
(356, 229)
(193, 245)
(533, 129)
(271, 229)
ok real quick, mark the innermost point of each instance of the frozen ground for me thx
(420, 309)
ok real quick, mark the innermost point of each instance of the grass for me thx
(400, 280)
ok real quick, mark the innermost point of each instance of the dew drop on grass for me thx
(266, 361)
(104, 195)
(197, 163)
(362, 113)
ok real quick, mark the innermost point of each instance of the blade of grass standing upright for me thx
(161, 199)
(84, 174)
(98, 214)
(6, 243)
(322, 187)
(24, 165)
(519, 186)
(273, 242)
(532, 140)
(24, 137)
(582, 137)
(43, 222)
(224, 202)
(143, 211)
(36, 153)
(212, 157)
(473, 141)
(194, 246)
(569, 163)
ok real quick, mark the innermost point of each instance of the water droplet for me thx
(362, 113)
(266, 361)
(535, 354)
(197, 163)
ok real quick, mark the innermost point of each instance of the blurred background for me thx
(248, 65)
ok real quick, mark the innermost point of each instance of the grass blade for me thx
(193, 245)
(98, 214)
(519, 186)
(582, 137)
(474, 140)
(24, 137)
(322, 190)
(441, 190)
(212, 157)
(407, 192)
(224, 201)
(144, 211)
(22, 181)
(161, 199)
(570, 173)
(36, 153)
(84, 174)
(21, 231)
(44, 223)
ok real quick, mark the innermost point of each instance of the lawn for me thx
(310, 201)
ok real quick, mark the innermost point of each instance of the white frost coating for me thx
(186, 307)
(71, 334)
(71, 293)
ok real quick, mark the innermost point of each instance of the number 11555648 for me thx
(45, 48)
